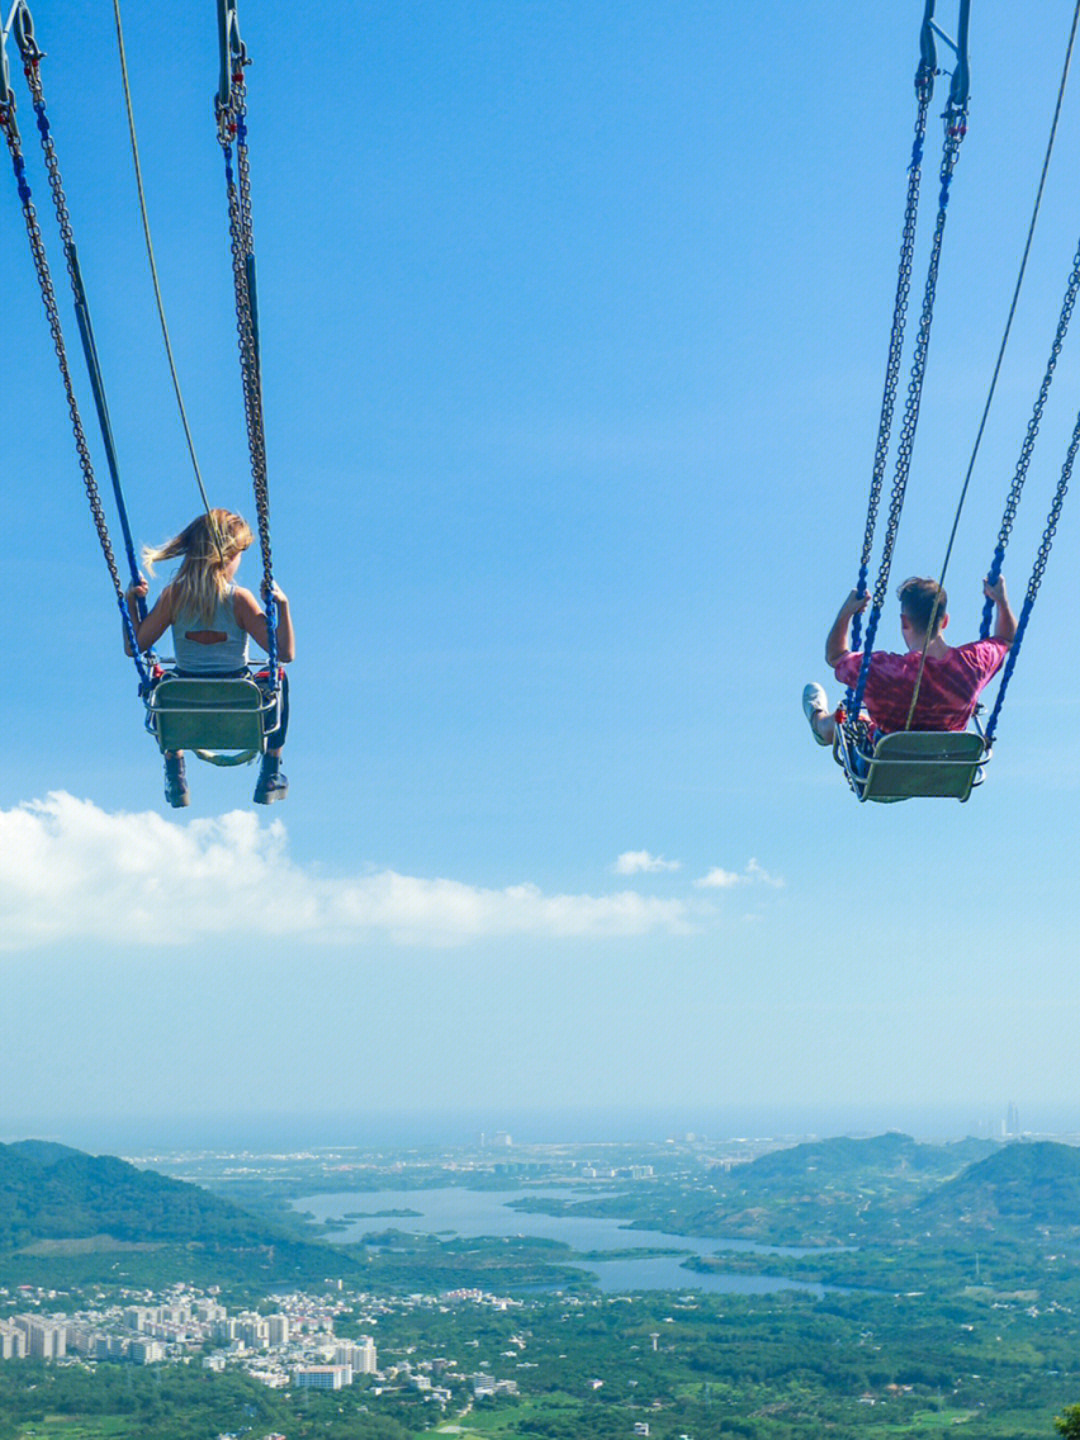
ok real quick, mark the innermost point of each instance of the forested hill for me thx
(892, 1186)
(825, 1191)
(50, 1192)
(842, 1159)
(1021, 1187)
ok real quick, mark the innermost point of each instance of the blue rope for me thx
(93, 366)
(48, 295)
(129, 630)
(20, 180)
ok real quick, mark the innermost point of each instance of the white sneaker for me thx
(815, 702)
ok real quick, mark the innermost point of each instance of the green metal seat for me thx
(915, 764)
(223, 720)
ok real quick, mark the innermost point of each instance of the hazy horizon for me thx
(267, 1132)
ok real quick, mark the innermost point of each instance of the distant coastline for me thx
(262, 1133)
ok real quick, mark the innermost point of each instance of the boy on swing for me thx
(952, 678)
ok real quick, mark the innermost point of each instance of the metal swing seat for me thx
(912, 764)
(225, 720)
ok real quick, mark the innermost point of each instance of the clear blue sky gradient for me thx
(574, 322)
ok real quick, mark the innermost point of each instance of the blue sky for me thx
(574, 322)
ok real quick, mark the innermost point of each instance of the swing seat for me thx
(223, 720)
(915, 764)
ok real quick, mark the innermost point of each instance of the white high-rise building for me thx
(47, 1339)
(322, 1377)
(12, 1342)
(360, 1355)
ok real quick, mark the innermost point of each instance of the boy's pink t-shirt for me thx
(948, 693)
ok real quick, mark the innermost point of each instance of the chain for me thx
(232, 125)
(896, 346)
(1037, 573)
(48, 296)
(1016, 488)
(954, 134)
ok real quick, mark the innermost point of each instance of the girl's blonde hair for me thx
(207, 545)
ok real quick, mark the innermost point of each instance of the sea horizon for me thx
(264, 1133)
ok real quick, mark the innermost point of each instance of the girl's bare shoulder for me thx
(244, 602)
(166, 599)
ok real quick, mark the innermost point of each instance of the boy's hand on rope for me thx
(997, 592)
(855, 604)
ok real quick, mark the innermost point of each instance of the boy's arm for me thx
(1005, 628)
(836, 646)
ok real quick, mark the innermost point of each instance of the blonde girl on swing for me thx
(212, 620)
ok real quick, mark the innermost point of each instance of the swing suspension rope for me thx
(231, 115)
(1017, 485)
(32, 56)
(955, 120)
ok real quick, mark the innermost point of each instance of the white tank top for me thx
(219, 658)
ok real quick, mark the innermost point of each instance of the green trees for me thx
(1068, 1423)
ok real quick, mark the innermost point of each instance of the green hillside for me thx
(66, 1215)
(1022, 1188)
(53, 1193)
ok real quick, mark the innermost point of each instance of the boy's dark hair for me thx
(917, 600)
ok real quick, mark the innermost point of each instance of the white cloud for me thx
(69, 870)
(754, 874)
(718, 879)
(640, 862)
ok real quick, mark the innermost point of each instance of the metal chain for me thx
(253, 374)
(955, 130)
(1039, 569)
(232, 126)
(896, 346)
(48, 296)
(1016, 488)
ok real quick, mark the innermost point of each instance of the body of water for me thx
(450, 1211)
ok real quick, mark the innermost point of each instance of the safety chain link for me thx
(232, 127)
(48, 296)
(1016, 488)
(896, 346)
(955, 129)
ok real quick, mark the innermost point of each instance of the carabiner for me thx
(23, 25)
(233, 51)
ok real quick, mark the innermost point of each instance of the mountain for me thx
(828, 1191)
(43, 1151)
(819, 1164)
(66, 1215)
(1022, 1187)
(53, 1193)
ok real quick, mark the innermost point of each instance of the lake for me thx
(450, 1211)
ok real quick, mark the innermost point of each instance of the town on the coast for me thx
(292, 1345)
